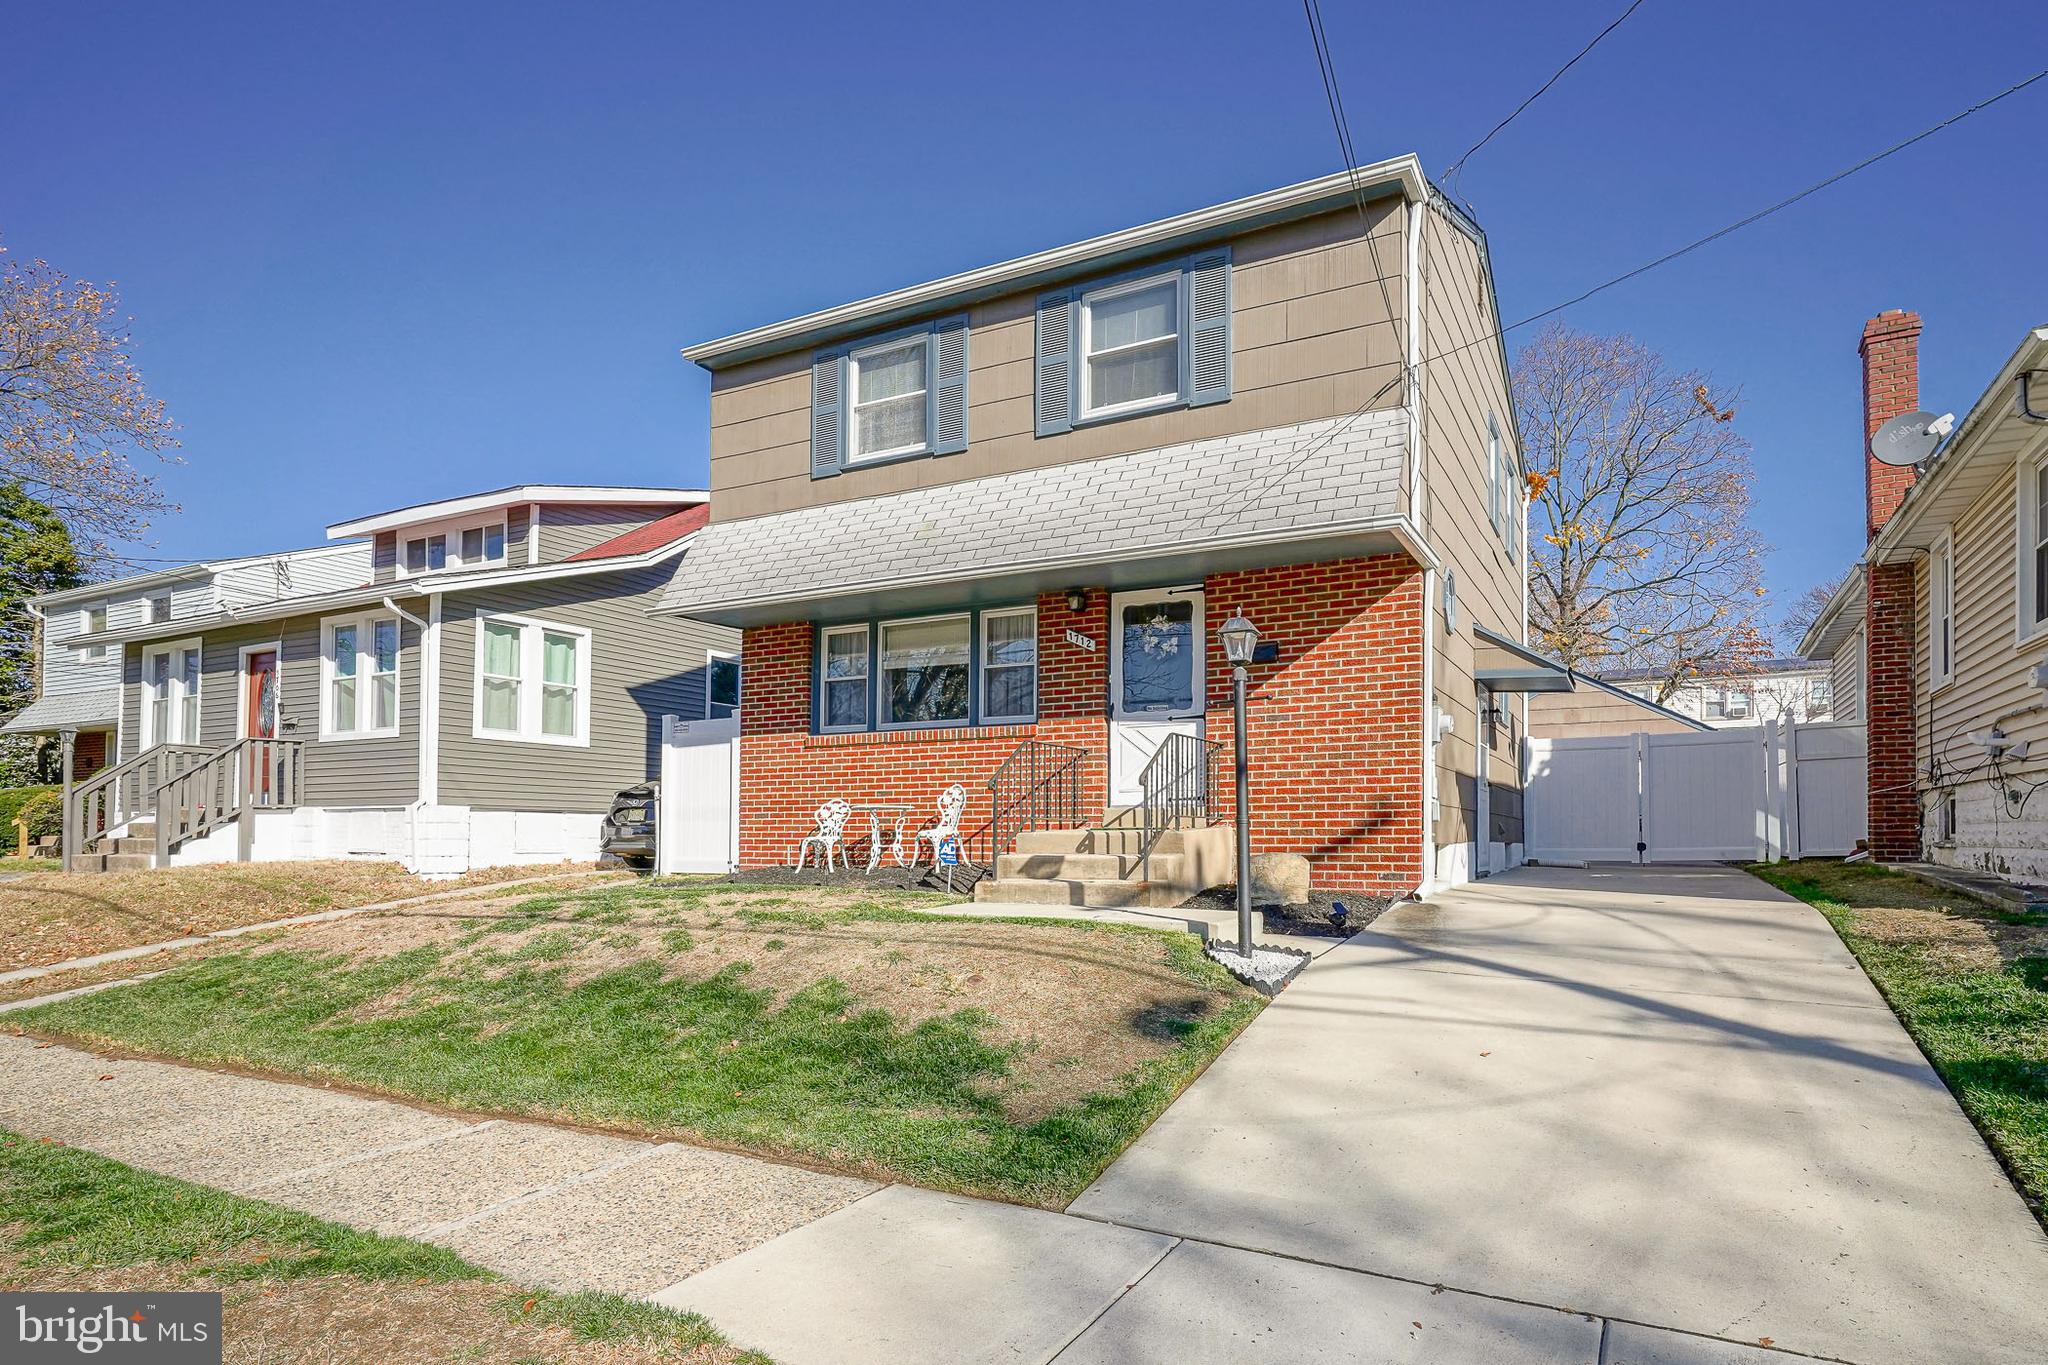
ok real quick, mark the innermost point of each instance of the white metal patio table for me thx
(875, 810)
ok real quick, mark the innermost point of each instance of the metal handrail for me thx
(1176, 784)
(1037, 787)
(247, 775)
(114, 796)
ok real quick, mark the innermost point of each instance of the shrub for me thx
(12, 799)
(45, 814)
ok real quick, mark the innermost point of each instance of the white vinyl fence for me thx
(1749, 793)
(697, 828)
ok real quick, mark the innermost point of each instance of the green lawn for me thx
(1970, 983)
(1013, 1059)
(73, 1220)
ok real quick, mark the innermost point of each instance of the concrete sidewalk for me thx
(1661, 1094)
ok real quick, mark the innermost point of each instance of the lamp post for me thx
(1240, 637)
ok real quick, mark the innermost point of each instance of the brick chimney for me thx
(1891, 387)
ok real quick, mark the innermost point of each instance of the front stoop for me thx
(1098, 866)
(131, 851)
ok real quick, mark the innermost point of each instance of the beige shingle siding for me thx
(642, 668)
(1298, 477)
(1462, 382)
(1846, 678)
(567, 528)
(1311, 338)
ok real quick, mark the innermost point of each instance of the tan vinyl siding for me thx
(1462, 382)
(1312, 336)
(1845, 676)
(384, 557)
(642, 668)
(358, 772)
(568, 528)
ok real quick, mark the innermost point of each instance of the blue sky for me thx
(381, 253)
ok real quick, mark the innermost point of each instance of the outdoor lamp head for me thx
(1240, 638)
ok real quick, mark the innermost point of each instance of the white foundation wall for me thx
(434, 841)
(1988, 838)
(1454, 863)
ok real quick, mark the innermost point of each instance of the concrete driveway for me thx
(1660, 1095)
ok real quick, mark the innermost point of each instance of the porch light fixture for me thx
(1240, 638)
(1077, 600)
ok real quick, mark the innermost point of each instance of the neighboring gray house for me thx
(79, 685)
(476, 696)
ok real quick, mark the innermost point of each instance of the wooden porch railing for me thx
(112, 798)
(248, 775)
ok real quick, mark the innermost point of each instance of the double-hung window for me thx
(359, 678)
(532, 681)
(1130, 346)
(170, 693)
(1503, 499)
(92, 621)
(1820, 693)
(887, 387)
(963, 668)
(1941, 611)
(476, 546)
(2033, 521)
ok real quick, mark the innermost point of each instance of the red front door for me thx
(259, 719)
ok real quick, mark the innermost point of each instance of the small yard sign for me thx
(949, 852)
(1080, 641)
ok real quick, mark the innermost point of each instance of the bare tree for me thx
(1642, 555)
(73, 410)
(1806, 609)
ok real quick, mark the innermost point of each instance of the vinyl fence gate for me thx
(697, 828)
(1748, 793)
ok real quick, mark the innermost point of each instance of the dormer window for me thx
(478, 545)
(888, 391)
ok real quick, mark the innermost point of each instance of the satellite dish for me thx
(1906, 440)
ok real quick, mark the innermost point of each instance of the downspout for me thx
(1427, 882)
(2023, 403)
(1413, 385)
(430, 686)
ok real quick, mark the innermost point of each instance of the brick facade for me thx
(1335, 723)
(1891, 387)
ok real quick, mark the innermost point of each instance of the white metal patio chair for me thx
(952, 803)
(827, 836)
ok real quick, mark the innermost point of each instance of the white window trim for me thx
(881, 673)
(366, 655)
(451, 529)
(853, 403)
(1941, 581)
(242, 685)
(178, 694)
(149, 608)
(825, 635)
(981, 666)
(711, 656)
(533, 630)
(93, 652)
(1180, 340)
(2027, 533)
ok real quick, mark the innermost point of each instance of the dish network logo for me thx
(91, 1332)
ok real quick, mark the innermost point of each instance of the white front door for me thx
(1156, 680)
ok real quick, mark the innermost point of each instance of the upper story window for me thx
(1503, 499)
(886, 385)
(2033, 568)
(1154, 339)
(897, 397)
(1820, 693)
(91, 621)
(159, 608)
(475, 546)
(359, 677)
(1941, 611)
(1130, 346)
(964, 668)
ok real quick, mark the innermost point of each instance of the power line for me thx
(1451, 173)
(1345, 423)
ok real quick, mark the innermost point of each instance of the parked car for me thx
(627, 834)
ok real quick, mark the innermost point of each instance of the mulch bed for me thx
(1313, 920)
(887, 877)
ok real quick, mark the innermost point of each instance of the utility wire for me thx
(1450, 174)
(1757, 217)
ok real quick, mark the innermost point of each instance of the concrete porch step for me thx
(1101, 893)
(114, 862)
(1092, 867)
(1100, 840)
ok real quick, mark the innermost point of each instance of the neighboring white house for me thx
(1778, 689)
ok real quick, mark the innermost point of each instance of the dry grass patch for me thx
(1012, 1058)
(50, 916)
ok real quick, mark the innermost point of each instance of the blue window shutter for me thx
(949, 385)
(828, 431)
(1057, 363)
(1208, 312)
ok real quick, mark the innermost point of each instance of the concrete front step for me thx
(1099, 839)
(114, 862)
(1077, 891)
